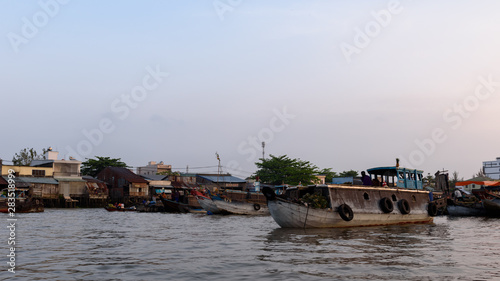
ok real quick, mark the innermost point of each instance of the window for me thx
(38, 173)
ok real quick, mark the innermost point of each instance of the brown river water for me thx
(93, 244)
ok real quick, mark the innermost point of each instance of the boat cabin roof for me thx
(392, 171)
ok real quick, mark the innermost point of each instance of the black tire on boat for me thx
(432, 209)
(404, 206)
(386, 205)
(345, 212)
(256, 207)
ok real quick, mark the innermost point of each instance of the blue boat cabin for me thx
(397, 177)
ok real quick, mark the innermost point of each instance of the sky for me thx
(342, 84)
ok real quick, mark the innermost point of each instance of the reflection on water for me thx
(92, 244)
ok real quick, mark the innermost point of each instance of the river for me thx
(93, 244)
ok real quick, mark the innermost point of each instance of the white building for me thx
(153, 168)
(492, 169)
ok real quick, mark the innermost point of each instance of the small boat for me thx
(207, 204)
(171, 206)
(112, 208)
(228, 206)
(464, 210)
(24, 203)
(492, 204)
(397, 198)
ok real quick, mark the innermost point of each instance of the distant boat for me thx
(399, 198)
(171, 206)
(207, 204)
(237, 202)
(111, 208)
(24, 203)
(241, 208)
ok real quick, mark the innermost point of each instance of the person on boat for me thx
(249, 195)
(366, 179)
(176, 196)
(375, 182)
(457, 194)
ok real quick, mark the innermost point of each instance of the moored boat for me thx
(461, 210)
(241, 208)
(397, 198)
(115, 209)
(207, 204)
(24, 203)
(171, 206)
(492, 204)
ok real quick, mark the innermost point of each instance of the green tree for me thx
(350, 173)
(329, 174)
(429, 180)
(454, 179)
(27, 155)
(480, 174)
(283, 170)
(92, 167)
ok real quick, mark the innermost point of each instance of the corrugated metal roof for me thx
(91, 179)
(154, 177)
(71, 179)
(126, 174)
(33, 180)
(42, 163)
(223, 179)
(3, 181)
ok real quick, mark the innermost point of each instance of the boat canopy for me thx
(398, 176)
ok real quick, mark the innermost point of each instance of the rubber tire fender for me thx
(386, 205)
(432, 209)
(256, 207)
(404, 206)
(345, 212)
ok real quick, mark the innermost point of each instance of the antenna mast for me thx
(263, 146)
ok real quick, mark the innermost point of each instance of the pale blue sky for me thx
(230, 73)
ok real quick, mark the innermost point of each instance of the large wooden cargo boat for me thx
(396, 197)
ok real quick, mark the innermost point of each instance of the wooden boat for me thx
(460, 210)
(171, 206)
(492, 204)
(24, 203)
(241, 208)
(207, 204)
(115, 209)
(401, 200)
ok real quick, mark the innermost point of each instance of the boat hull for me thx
(463, 211)
(25, 205)
(114, 209)
(174, 207)
(241, 208)
(492, 206)
(363, 203)
(208, 205)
